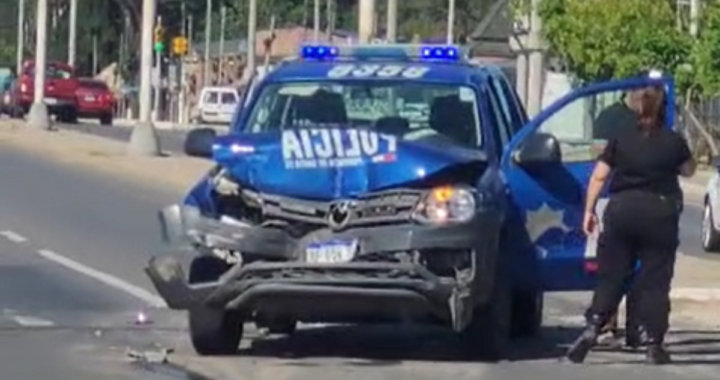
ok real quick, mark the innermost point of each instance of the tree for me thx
(602, 39)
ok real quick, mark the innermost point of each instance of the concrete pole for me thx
(221, 46)
(72, 37)
(451, 22)
(536, 62)
(521, 76)
(20, 37)
(391, 32)
(366, 22)
(694, 15)
(38, 116)
(316, 20)
(251, 65)
(144, 140)
(208, 32)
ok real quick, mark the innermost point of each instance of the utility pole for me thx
(38, 116)
(536, 69)
(330, 16)
(20, 37)
(208, 32)
(366, 22)
(316, 20)
(694, 16)
(221, 47)
(144, 140)
(72, 38)
(451, 22)
(391, 32)
(251, 63)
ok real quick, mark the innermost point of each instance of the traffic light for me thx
(159, 38)
(180, 46)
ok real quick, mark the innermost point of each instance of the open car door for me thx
(547, 167)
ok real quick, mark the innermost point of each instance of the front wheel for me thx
(710, 235)
(487, 336)
(215, 332)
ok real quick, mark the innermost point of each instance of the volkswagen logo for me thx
(340, 214)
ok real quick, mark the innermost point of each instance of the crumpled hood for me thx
(325, 164)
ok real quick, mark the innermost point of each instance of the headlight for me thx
(445, 205)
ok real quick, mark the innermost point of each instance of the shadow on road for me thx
(390, 345)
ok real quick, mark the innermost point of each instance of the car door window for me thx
(211, 98)
(501, 121)
(578, 125)
(512, 106)
(228, 98)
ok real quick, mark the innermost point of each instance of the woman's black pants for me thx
(637, 227)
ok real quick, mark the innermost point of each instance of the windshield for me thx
(52, 72)
(409, 110)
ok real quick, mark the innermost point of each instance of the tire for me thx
(68, 116)
(710, 235)
(106, 119)
(487, 337)
(212, 331)
(527, 313)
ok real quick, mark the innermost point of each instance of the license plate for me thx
(51, 101)
(90, 98)
(331, 252)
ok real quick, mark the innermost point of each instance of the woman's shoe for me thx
(656, 354)
(579, 350)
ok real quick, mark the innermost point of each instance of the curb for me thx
(696, 294)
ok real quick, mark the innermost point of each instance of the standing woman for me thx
(639, 223)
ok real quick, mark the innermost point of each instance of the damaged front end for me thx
(387, 262)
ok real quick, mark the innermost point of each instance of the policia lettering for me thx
(380, 71)
(322, 148)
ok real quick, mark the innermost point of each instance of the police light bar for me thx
(445, 53)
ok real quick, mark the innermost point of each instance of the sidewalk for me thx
(696, 288)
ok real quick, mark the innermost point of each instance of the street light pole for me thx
(316, 21)
(144, 140)
(20, 37)
(38, 116)
(366, 22)
(391, 32)
(451, 22)
(208, 32)
(72, 38)
(251, 63)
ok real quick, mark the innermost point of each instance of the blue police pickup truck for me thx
(385, 183)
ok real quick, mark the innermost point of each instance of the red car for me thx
(60, 87)
(95, 100)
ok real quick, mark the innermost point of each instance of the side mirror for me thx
(538, 148)
(199, 142)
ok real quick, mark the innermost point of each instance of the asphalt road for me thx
(72, 245)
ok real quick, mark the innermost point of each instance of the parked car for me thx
(95, 100)
(710, 232)
(60, 87)
(217, 105)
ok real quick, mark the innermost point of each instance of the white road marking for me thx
(28, 321)
(13, 236)
(105, 278)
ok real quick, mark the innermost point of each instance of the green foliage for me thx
(703, 73)
(602, 39)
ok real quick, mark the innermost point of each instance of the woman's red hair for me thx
(649, 105)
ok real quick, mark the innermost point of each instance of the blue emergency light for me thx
(442, 53)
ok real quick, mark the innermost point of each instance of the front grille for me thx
(386, 207)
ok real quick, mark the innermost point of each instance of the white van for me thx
(217, 105)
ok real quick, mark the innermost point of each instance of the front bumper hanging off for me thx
(286, 285)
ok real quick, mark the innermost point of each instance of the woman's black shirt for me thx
(646, 161)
